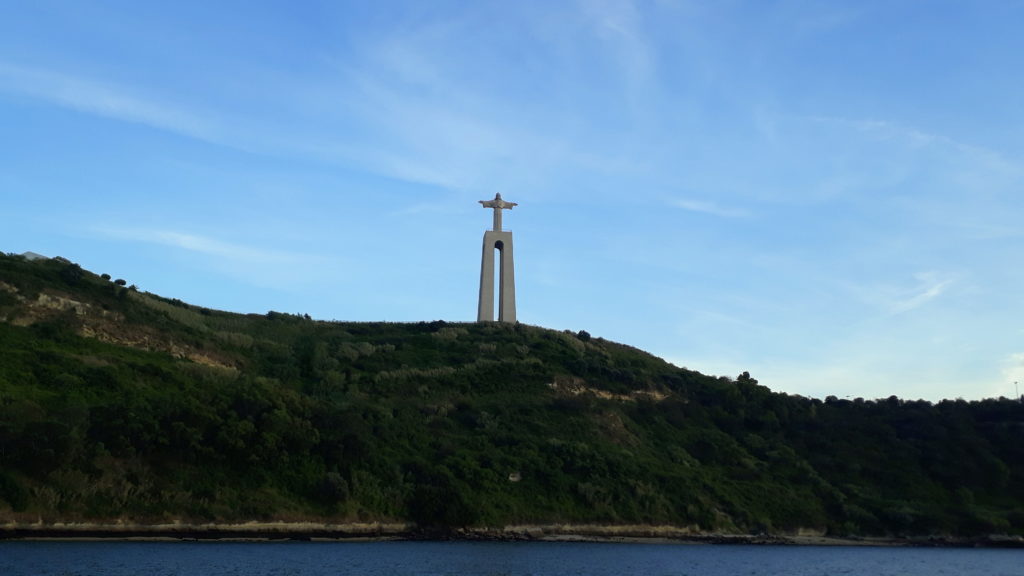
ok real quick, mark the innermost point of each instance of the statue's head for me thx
(497, 196)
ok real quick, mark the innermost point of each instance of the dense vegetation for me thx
(118, 404)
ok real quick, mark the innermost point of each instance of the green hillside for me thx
(121, 405)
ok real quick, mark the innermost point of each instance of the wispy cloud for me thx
(885, 130)
(923, 294)
(987, 230)
(108, 100)
(408, 105)
(882, 162)
(619, 21)
(927, 286)
(220, 249)
(827, 19)
(711, 208)
(912, 136)
(442, 129)
(428, 142)
(620, 25)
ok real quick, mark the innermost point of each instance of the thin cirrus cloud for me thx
(915, 138)
(922, 297)
(467, 139)
(125, 103)
(427, 126)
(619, 25)
(208, 246)
(416, 124)
(105, 100)
(711, 208)
(928, 286)
(881, 129)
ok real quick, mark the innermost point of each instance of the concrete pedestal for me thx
(502, 242)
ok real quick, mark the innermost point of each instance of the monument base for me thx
(502, 242)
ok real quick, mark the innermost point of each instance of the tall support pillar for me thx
(502, 242)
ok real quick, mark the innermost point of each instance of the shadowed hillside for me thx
(118, 404)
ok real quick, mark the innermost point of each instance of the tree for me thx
(439, 500)
(72, 274)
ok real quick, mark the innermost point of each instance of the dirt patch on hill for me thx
(575, 386)
(91, 320)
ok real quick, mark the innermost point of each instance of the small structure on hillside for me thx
(500, 240)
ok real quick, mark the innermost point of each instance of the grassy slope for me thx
(119, 404)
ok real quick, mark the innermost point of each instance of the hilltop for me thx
(120, 406)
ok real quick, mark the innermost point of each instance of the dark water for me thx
(497, 559)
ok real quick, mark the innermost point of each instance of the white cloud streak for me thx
(619, 23)
(106, 100)
(894, 300)
(708, 208)
(238, 253)
(914, 138)
(400, 107)
(928, 290)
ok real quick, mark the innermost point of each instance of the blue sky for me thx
(824, 193)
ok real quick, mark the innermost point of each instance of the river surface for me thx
(42, 558)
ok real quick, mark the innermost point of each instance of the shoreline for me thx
(397, 531)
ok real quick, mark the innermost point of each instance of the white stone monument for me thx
(501, 241)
